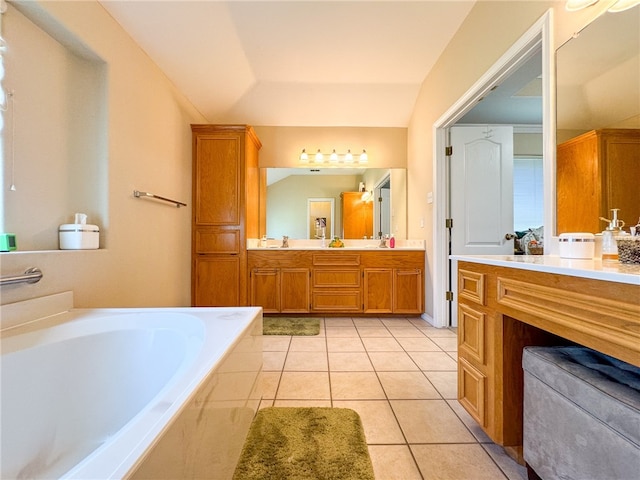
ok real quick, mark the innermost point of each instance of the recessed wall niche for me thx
(54, 140)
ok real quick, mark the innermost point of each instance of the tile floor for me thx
(400, 376)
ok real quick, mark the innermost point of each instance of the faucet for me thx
(383, 241)
(285, 242)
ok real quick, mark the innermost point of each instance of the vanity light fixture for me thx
(367, 196)
(619, 6)
(335, 158)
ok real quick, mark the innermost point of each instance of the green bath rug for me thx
(305, 443)
(290, 326)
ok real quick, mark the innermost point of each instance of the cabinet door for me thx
(215, 281)
(407, 291)
(378, 290)
(294, 290)
(265, 289)
(217, 179)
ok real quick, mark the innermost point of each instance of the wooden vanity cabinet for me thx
(225, 210)
(336, 282)
(595, 172)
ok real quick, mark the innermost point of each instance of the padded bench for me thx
(581, 415)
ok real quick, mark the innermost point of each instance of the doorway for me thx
(536, 39)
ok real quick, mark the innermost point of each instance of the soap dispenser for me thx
(609, 244)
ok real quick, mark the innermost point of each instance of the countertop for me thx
(595, 269)
(316, 245)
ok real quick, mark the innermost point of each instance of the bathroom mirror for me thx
(289, 189)
(598, 86)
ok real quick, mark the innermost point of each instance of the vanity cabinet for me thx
(357, 215)
(595, 172)
(501, 310)
(225, 212)
(337, 281)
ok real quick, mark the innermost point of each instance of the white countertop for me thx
(367, 245)
(595, 269)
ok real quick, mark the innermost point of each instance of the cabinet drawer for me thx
(471, 390)
(336, 301)
(471, 336)
(336, 258)
(217, 241)
(336, 277)
(471, 286)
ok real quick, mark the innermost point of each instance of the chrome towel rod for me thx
(139, 194)
(31, 275)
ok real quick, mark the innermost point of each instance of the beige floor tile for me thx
(448, 344)
(433, 332)
(367, 322)
(396, 322)
(418, 344)
(302, 403)
(265, 404)
(304, 385)
(455, 462)
(338, 322)
(269, 384)
(275, 343)
(374, 332)
(341, 332)
(508, 465)
(407, 386)
(445, 382)
(393, 462)
(378, 344)
(306, 362)
(344, 344)
(392, 361)
(472, 425)
(308, 344)
(438, 361)
(379, 423)
(430, 421)
(273, 361)
(349, 362)
(405, 332)
(355, 386)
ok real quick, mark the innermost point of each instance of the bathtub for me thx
(129, 393)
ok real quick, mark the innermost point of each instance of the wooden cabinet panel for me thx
(471, 286)
(357, 215)
(217, 180)
(471, 390)
(336, 301)
(407, 291)
(208, 240)
(294, 290)
(265, 289)
(471, 333)
(336, 277)
(215, 280)
(378, 290)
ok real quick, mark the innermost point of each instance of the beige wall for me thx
(147, 259)
(490, 29)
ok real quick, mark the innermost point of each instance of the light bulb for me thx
(304, 158)
(364, 158)
(575, 5)
(319, 157)
(348, 158)
(622, 5)
(334, 157)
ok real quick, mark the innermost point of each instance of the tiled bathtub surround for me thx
(400, 376)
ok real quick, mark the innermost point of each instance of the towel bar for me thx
(139, 194)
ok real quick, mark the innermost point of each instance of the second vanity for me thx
(508, 302)
(362, 278)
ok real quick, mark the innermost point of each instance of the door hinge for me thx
(448, 223)
(449, 296)
(448, 151)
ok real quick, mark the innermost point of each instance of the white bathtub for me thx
(122, 393)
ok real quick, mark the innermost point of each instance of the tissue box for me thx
(79, 236)
(577, 245)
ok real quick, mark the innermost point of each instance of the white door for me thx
(480, 194)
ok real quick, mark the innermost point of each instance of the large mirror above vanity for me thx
(598, 123)
(366, 202)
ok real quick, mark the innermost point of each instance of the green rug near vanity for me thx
(305, 443)
(290, 326)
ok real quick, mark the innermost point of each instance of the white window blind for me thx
(528, 197)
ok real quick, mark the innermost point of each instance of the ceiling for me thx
(295, 63)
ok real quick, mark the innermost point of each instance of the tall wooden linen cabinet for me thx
(226, 211)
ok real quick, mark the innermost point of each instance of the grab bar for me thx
(31, 275)
(139, 194)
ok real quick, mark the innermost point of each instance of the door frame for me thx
(539, 36)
